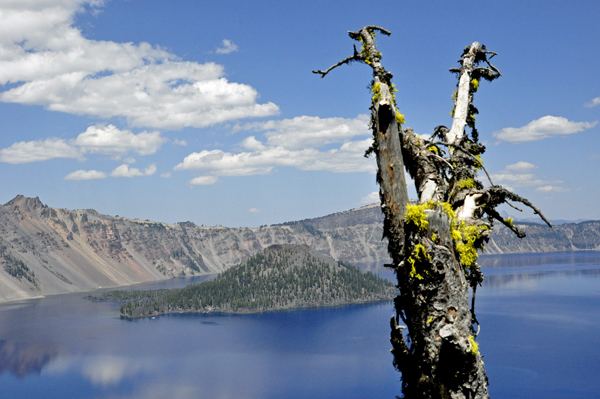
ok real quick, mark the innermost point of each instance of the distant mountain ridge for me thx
(45, 250)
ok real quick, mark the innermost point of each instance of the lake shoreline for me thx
(245, 311)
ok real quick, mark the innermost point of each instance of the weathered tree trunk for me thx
(434, 243)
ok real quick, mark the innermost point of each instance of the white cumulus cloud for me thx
(310, 131)
(555, 189)
(345, 159)
(545, 127)
(204, 180)
(593, 103)
(98, 139)
(85, 175)
(371, 198)
(227, 47)
(53, 65)
(519, 174)
(291, 143)
(521, 166)
(110, 140)
(125, 171)
(519, 179)
(40, 150)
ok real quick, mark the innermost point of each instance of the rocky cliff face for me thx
(45, 250)
(584, 236)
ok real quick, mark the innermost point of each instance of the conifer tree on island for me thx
(434, 243)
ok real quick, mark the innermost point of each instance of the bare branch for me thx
(356, 57)
(493, 213)
(443, 160)
(504, 193)
(493, 67)
(513, 207)
(369, 56)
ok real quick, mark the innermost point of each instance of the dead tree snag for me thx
(434, 243)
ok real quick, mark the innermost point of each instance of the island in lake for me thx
(279, 277)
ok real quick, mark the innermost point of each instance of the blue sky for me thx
(209, 112)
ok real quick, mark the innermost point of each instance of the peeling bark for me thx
(434, 244)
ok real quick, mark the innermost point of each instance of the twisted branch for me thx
(504, 193)
(356, 57)
(369, 45)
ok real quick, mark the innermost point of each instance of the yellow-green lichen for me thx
(509, 221)
(474, 84)
(474, 345)
(479, 163)
(364, 51)
(415, 214)
(399, 118)
(392, 91)
(466, 183)
(447, 208)
(417, 256)
(467, 237)
(466, 245)
(376, 89)
(430, 320)
(456, 236)
(433, 149)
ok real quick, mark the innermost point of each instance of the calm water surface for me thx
(540, 317)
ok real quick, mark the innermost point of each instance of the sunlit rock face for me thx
(45, 250)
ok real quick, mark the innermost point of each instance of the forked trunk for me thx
(433, 244)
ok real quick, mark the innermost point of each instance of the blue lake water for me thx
(540, 317)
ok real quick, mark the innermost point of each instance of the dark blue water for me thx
(540, 317)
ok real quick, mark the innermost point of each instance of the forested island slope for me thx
(280, 277)
(45, 250)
